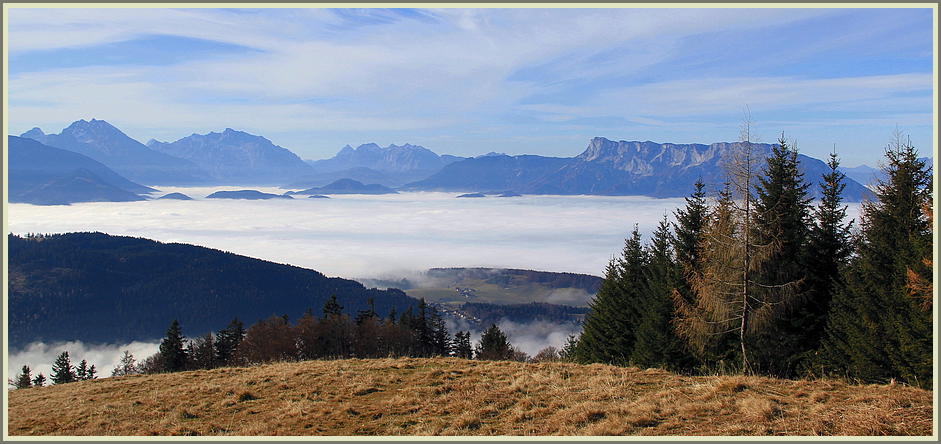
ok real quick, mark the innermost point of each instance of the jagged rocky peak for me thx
(82, 129)
(631, 156)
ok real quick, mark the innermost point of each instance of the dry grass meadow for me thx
(446, 396)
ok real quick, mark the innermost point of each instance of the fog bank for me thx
(371, 236)
(40, 356)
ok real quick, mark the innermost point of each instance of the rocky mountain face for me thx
(103, 142)
(236, 157)
(44, 175)
(611, 168)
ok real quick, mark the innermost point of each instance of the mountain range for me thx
(392, 166)
(103, 142)
(236, 157)
(609, 168)
(605, 167)
(43, 175)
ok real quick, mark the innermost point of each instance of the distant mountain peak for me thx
(238, 156)
(33, 133)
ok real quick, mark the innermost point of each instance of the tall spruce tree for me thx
(829, 247)
(876, 329)
(62, 370)
(688, 239)
(172, 349)
(609, 332)
(656, 344)
(781, 227)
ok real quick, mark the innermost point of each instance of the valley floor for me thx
(446, 396)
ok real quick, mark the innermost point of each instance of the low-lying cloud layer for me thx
(366, 237)
(370, 236)
(40, 356)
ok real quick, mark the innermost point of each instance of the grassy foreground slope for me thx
(447, 396)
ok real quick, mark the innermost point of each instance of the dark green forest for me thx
(99, 288)
(753, 277)
(524, 313)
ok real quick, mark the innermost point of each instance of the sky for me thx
(469, 81)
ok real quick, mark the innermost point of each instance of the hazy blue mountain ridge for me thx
(605, 167)
(406, 163)
(103, 142)
(490, 173)
(347, 186)
(44, 175)
(609, 168)
(236, 157)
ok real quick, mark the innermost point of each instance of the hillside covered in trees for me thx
(99, 288)
(756, 278)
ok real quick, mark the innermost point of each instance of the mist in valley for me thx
(390, 237)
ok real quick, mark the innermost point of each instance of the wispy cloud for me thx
(316, 79)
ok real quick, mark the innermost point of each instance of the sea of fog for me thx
(363, 236)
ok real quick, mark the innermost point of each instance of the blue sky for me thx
(470, 81)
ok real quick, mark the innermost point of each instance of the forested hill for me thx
(100, 288)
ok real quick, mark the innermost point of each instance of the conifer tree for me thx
(228, 340)
(172, 352)
(568, 351)
(731, 293)
(202, 352)
(876, 329)
(62, 370)
(336, 334)
(829, 247)
(609, 332)
(462, 345)
(364, 315)
(24, 379)
(710, 321)
(332, 308)
(494, 345)
(39, 380)
(439, 337)
(83, 372)
(782, 218)
(656, 343)
(688, 239)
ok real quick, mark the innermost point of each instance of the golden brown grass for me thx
(458, 397)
